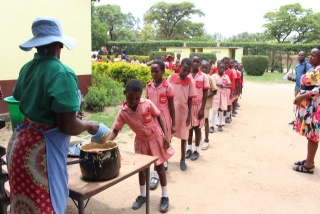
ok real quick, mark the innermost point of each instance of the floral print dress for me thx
(308, 111)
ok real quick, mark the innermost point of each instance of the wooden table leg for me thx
(147, 189)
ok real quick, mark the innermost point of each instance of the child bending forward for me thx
(151, 138)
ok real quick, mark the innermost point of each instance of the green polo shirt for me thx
(45, 86)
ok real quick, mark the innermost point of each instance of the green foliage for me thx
(166, 16)
(249, 48)
(158, 54)
(122, 72)
(206, 56)
(292, 23)
(255, 65)
(104, 91)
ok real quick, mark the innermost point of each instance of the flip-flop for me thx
(304, 169)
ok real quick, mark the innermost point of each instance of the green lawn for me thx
(267, 78)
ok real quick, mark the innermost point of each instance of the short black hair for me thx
(134, 85)
(160, 63)
(196, 55)
(186, 62)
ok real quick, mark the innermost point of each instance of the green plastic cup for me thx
(15, 115)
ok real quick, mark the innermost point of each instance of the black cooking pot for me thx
(100, 162)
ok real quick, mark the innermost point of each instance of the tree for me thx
(118, 26)
(248, 37)
(99, 34)
(292, 22)
(147, 33)
(165, 16)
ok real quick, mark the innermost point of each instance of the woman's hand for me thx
(93, 128)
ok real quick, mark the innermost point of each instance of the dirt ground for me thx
(247, 168)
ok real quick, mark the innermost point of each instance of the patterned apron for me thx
(38, 176)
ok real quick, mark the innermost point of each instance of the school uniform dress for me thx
(220, 100)
(229, 72)
(209, 103)
(159, 96)
(149, 135)
(183, 91)
(201, 83)
(214, 70)
(308, 111)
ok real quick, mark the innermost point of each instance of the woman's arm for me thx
(172, 114)
(69, 124)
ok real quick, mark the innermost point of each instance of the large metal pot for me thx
(100, 161)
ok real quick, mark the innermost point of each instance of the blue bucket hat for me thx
(47, 30)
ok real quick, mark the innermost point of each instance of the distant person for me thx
(177, 66)
(144, 62)
(163, 58)
(94, 58)
(214, 68)
(124, 55)
(146, 121)
(308, 113)
(178, 57)
(301, 68)
(220, 100)
(103, 51)
(99, 58)
(184, 90)
(116, 58)
(108, 59)
(205, 68)
(150, 62)
(169, 62)
(134, 61)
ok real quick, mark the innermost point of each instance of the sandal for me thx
(300, 163)
(304, 169)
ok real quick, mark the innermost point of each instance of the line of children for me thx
(175, 107)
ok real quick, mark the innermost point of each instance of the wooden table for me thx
(131, 163)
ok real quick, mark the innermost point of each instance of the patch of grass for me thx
(267, 77)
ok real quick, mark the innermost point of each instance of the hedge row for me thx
(122, 72)
(249, 48)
